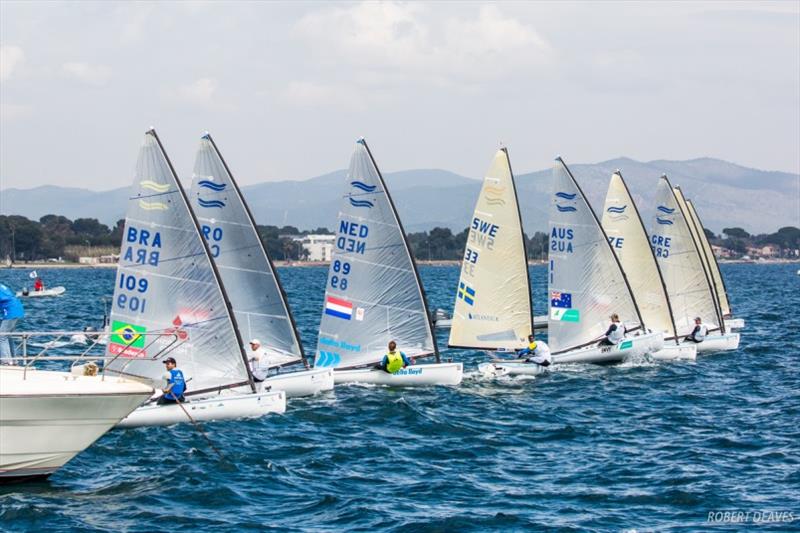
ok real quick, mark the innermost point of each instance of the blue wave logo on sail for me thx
(664, 221)
(665, 209)
(218, 187)
(617, 210)
(363, 186)
(361, 203)
(211, 203)
(566, 196)
(325, 359)
(565, 208)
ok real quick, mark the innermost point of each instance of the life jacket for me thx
(532, 346)
(618, 334)
(394, 362)
(178, 384)
(702, 331)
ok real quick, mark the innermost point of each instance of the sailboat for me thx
(167, 285)
(586, 284)
(374, 294)
(629, 240)
(251, 282)
(493, 309)
(731, 323)
(688, 282)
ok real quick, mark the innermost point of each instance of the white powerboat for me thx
(47, 418)
(55, 291)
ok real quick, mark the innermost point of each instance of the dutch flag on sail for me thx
(338, 308)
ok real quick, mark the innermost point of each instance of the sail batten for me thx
(629, 240)
(586, 282)
(253, 287)
(167, 288)
(373, 292)
(493, 306)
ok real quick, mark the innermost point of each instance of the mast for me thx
(217, 277)
(408, 251)
(284, 299)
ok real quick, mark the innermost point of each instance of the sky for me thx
(286, 88)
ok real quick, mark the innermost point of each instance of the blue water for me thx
(648, 446)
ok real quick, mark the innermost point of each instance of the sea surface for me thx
(646, 446)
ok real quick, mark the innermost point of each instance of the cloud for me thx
(86, 73)
(199, 92)
(14, 111)
(412, 40)
(310, 94)
(10, 58)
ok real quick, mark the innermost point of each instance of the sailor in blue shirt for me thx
(176, 385)
(10, 312)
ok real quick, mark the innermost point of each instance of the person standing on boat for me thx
(38, 285)
(394, 360)
(176, 385)
(615, 332)
(699, 332)
(536, 352)
(10, 312)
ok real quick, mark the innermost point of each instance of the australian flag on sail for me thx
(561, 299)
(466, 293)
(338, 308)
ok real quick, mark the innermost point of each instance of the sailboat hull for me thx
(223, 407)
(734, 323)
(719, 343)
(628, 348)
(298, 384)
(674, 352)
(423, 375)
(510, 368)
(540, 322)
(55, 291)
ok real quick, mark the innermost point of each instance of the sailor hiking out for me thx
(615, 332)
(176, 384)
(699, 332)
(536, 352)
(394, 360)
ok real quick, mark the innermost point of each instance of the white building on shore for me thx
(319, 247)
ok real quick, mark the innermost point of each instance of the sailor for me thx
(38, 285)
(699, 332)
(10, 312)
(259, 361)
(536, 352)
(394, 360)
(176, 385)
(615, 332)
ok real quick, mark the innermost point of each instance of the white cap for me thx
(255, 341)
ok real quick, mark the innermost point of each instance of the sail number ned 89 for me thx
(132, 302)
(339, 278)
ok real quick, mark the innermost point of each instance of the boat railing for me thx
(92, 339)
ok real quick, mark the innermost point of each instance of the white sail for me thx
(373, 294)
(167, 285)
(585, 281)
(628, 238)
(716, 274)
(251, 283)
(493, 300)
(681, 265)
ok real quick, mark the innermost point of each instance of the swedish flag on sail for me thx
(466, 293)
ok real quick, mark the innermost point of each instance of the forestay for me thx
(167, 284)
(716, 274)
(493, 303)
(679, 259)
(628, 238)
(373, 293)
(251, 283)
(585, 281)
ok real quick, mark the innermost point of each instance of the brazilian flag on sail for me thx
(127, 334)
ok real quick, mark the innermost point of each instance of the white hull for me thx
(297, 384)
(222, 407)
(444, 323)
(628, 348)
(540, 322)
(422, 375)
(719, 343)
(50, 417)
(734, 323)
(674, 352)
(510, 368)
(55, 291)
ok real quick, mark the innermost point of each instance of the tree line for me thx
(22, 239)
